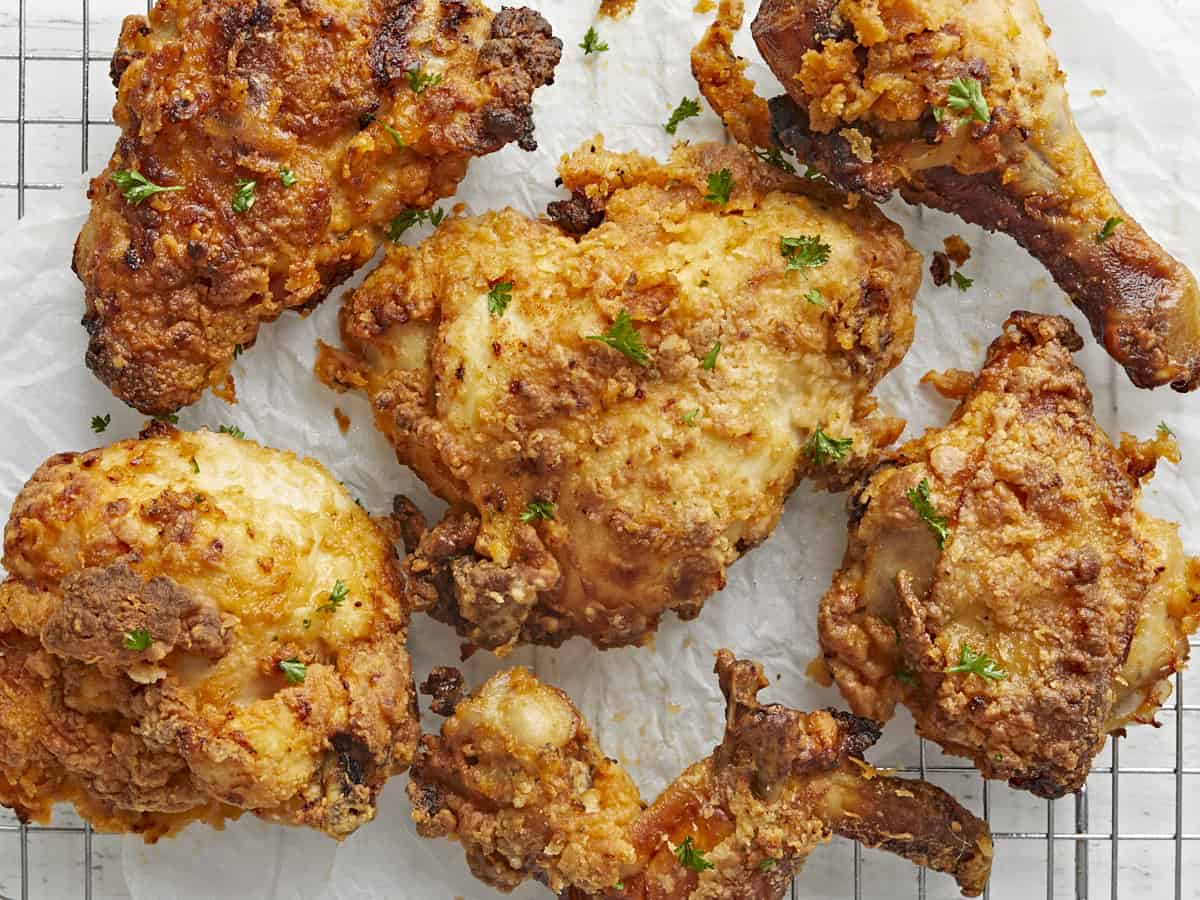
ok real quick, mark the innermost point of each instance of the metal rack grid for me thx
(1078, 836)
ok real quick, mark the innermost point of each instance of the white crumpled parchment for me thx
(657, 708)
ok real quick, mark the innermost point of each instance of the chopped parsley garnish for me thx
(499, 297)
(538, 509)
(766, 865)
(136, 187)
(293, 670)
(966, 95)
(961, 281)
(238, 350)
(395, 135)
(805, 252)
(774, 157)
(823, 449)
(979, 664)
(920, 499)
(592, 43)
(623, 336)
(1109, 229)
(904, 676)
(243, 197)
(939, 114)
(710, 358)
(1163, 428)
(287, 177)
(813, 175)
(720, 185)
(691, 858)
(195, 465)
(686, 109)
(690, 418)
(411, 217)
(233, 431)
(419, 81)
(168, 417)
(337, 597)
(816, 298)
(101, 423)
(138, 640)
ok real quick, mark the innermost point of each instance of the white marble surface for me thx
(656, 709)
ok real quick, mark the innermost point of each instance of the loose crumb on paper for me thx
(343, 420)
(617, 9)
(1099, 92)
(705, 6)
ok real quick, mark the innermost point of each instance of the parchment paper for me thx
(658, 708)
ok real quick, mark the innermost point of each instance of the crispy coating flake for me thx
(518, 780)
(155, 587)
(1050, 569)
(342, 114)
(963, 107)
(654, 477)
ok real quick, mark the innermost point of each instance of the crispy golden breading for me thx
(658, 473)
(518, 780)
(881, 99)
(1050, 569)
(333, 95)
(160, 590)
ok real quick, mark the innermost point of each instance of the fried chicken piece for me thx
(962, 107)
(1056, 611)
(593, 488)
(193, 626)
(518, 780)
(288, 136)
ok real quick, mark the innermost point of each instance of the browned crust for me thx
(210, 93)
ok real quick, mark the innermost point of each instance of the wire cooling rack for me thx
(1125, 835)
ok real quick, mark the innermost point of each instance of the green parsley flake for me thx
(168, 417)
(905, 676)
(238, 350)
(961, 281)
(293, 670)
(538, 509)
(499, 297)
(939, 114)
(1163, 428)
(816, 298)
(691, 858)
(774, 157)
(395, 135)
(766, 865)
(686, 109)
(232, 431)
(101, 423)
(136, 187)
(1109, 229)
(720, 185)
(805, 252)
(243, 197)
(823, 449)
(623, 336)
(411, 217)
(919, 497)
(138, 640)
(980, 664)
(287, 177)
(592, 43)
(195, 465)
(966, 95)
(419, 81)
(813, 175)
(690, 418)
(337, 597)
(710, 358)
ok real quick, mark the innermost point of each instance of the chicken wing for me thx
(265, 147)
(617, 411)
(193, 626)
(518, 780)
(962, 107)
(1001, 580)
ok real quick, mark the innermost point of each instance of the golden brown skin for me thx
(223, 552)
(865, 78)
(660, 475)
(518, 780)
(1050, 568)
(210, 93)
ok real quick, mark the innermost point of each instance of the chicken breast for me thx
(616, 404)
(1001, 580)
(962, 106)
(193, 626)
(516, 777)
(266, 149)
